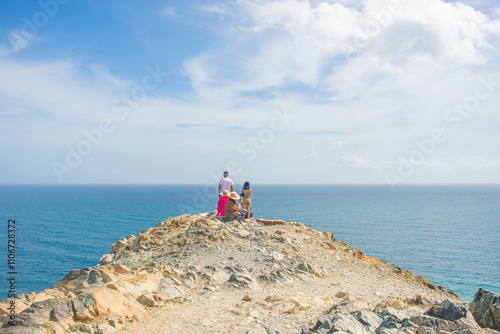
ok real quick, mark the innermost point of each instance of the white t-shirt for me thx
(226, 184)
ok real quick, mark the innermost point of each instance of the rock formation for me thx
(199, 274)
(485, 308)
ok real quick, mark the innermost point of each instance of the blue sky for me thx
(396, 92)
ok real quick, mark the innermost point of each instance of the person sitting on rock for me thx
(246, 192)
(221, 206)
(233, 210)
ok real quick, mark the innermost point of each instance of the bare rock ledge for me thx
(199, 274)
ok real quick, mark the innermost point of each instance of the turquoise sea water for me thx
(447, 233)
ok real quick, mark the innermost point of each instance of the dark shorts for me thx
(241, 215)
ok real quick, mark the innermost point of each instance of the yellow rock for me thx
(395, 302)
(283, 307)
(147, 299)
(299, 302)
(269, 222)
(109, 277)
(274, 298)
(110, 303)
(372, 260)
(342, 294)
(161, 297)
(121, 269)
(313, 269)
(107, 269)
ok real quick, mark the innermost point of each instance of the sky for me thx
(276, 92)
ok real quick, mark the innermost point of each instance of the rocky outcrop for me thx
(486, 309)
(446, 317)
(199, 274)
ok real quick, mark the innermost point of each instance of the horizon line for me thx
(260, 184)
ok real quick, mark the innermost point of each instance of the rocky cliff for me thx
(198, 274)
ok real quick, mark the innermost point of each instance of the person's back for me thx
(225, 183)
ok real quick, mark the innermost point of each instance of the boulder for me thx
(346, 323)
(121, 269)
(147, 299)
(342, 294)
(284, 307)
(369, 319)
(105, 259)
(218, 276)
(350, 305)
(244, 279)
(485, 308)
(80, 279)
(447, 316)
(398, 314)
(61, 313)
(313, 269)
(171, 292)
(395, 302)
(269, 222)
(110, 303)
(447, 311)
(81, 312)
(300, 303)
(433, 322)
(439, 324)
(274, 298)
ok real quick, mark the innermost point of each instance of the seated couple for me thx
(231, 210)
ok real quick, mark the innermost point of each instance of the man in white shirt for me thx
(226, 183)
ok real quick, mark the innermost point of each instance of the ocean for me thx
(450, 234)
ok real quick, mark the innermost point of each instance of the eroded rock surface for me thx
(199, 274)
(486, 309)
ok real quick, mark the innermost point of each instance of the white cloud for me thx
(496, 11)
(56, 89)
(445, 32)
(221, 8)
(283, 41)
(168, 11)
(438, 164)
(201, 76)
(480, 169)
(481, 164)
(337, 144)
(104, 76)
(357, 162)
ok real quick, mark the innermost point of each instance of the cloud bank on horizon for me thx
(294, 91)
